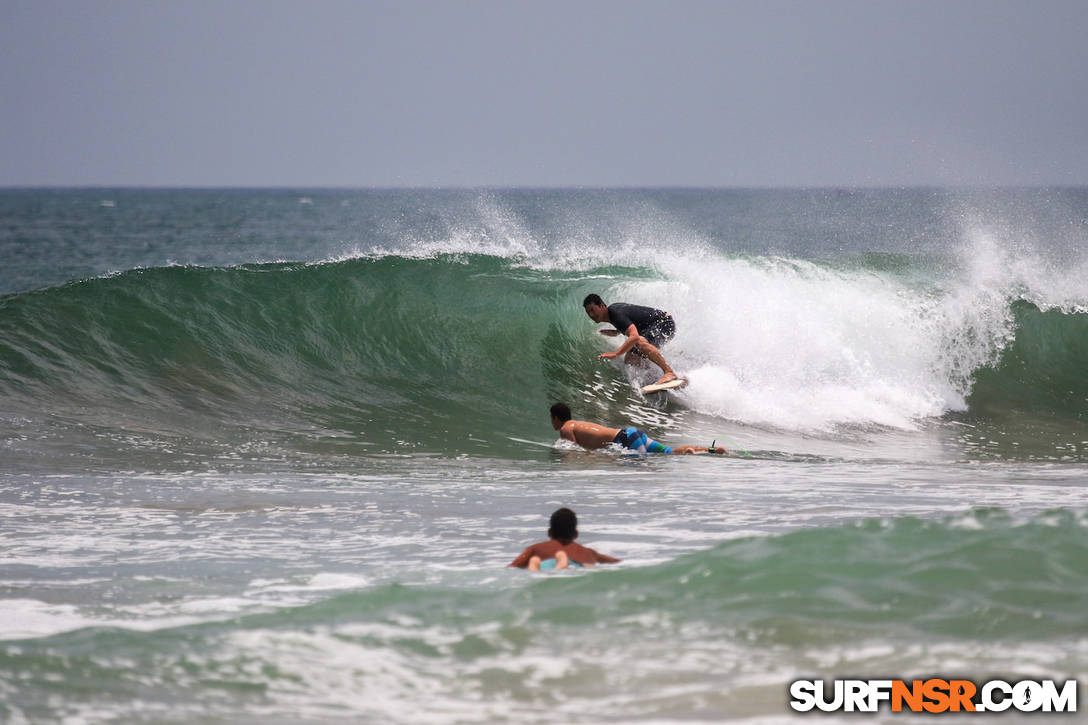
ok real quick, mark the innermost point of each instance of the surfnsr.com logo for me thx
(934, 695)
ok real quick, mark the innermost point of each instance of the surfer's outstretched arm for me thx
(629, 344)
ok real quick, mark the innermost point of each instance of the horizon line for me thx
(538, 187)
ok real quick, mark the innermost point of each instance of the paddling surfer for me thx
(560, 550)
(594, 435)
(645, 328)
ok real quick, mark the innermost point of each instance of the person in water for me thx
(560, 551)
(592, 436)
(645, 328)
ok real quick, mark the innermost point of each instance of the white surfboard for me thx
(533, 443)
(677, 383)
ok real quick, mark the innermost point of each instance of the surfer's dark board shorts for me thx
(637, 441)
(661, 331)
(655, 325)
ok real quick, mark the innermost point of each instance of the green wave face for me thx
(1042, 370)
(456, 353)
(431, 354)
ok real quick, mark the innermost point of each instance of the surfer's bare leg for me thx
(562, 561)
(654, 355)
(534, 563)
(699, 449)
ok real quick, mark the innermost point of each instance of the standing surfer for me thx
(646, 329)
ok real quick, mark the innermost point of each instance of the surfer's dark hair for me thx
(563, 525)
(594, 299)
(561, 411)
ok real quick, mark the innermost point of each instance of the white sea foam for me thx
(319, 583)
(803, 346)
(797, 345)
(25, 618)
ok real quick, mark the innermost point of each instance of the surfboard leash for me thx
(732, 446)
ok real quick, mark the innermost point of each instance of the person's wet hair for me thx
(561, 411)
(593, 299)
(563, 525)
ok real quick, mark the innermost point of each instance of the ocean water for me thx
(264, 455)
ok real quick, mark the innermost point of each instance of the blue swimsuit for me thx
(637, 441)
(550, 564)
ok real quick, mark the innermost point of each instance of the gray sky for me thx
(509, 93)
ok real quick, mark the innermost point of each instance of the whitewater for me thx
(264, 455)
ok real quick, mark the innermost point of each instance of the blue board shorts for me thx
(637, 441)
